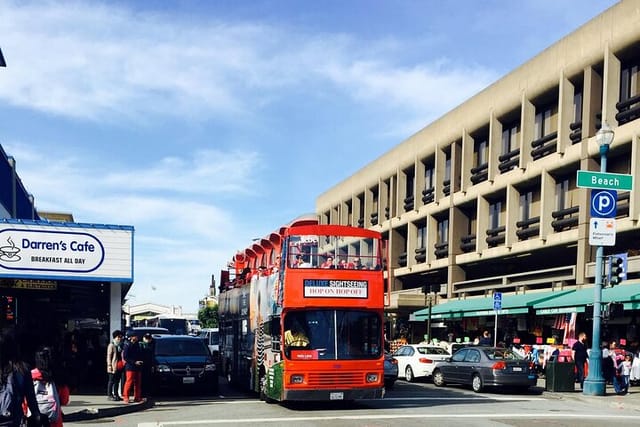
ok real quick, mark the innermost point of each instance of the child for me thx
(625, 373)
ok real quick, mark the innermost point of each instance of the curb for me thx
(94, 413)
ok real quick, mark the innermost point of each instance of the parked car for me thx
(390, 370)
(482, 367)
(418, 360)
(140, 331)
(183, 362)
(211, 338)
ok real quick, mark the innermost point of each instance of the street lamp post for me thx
(594, 384)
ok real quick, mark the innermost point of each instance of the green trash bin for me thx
(560, 376)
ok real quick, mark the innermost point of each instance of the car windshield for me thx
(180, 348)
(501, 354)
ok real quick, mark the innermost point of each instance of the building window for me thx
(428, 177)
(509, 138)
(480, 152)
(409, 186)
(543, 122)
(628, 82)
(494, 214)
(577, 107)
(526, 199)
(443, 231)
(447, 168)
(562, 192)
(421, 238)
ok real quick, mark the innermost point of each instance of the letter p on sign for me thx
(603, 203)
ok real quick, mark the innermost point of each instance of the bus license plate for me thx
(338, 395)
(188, 380)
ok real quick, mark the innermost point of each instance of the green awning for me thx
(483, 306)
(628, 294)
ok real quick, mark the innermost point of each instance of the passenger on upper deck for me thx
(357, 264)
(302, 261)
(328, 263)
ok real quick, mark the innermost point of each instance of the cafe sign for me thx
(75, 252)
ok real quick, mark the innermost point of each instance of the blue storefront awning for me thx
(483, 306)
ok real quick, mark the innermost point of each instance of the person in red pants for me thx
(133, 357)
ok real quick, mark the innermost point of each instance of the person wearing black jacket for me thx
(147, 346)
(133, 357)
(15, 372)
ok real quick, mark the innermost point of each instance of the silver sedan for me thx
(482, 367)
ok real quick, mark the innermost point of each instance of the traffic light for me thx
(615, 310)
(616, 269)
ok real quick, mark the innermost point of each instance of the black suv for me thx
(183, 362)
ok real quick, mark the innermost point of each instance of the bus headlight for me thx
(372, 378)
(297, 379)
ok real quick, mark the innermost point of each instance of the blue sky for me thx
(205, 124)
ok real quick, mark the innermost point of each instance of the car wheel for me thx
(476, 383)
(438, 378)
(408, 374)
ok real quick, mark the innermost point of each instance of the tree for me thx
(208, 317)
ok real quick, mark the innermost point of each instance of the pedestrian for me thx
(147, 362)
(608, 371)
(115, 366)
(486, 339)
(45, 390)
(580, 356)
(132, 354)
(625, 373)
(15, 385)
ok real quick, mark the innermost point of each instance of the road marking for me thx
(500, 398)
(282, 420)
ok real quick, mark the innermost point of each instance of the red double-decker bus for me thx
(301, 314)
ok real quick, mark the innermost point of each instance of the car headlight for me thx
(163, 368)
(372, 378)
(210, 367)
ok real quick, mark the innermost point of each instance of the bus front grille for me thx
(336, 379)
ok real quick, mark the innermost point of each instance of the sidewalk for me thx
(610, 399)
(84, 407)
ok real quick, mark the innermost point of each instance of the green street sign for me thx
(608, 181)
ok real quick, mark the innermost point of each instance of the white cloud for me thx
(109, 63)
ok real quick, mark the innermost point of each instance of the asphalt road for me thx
(408, 404)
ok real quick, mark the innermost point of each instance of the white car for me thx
(418, 360)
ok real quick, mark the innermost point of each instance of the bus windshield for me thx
(326, 334)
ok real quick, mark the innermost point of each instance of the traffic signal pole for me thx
(594, 384)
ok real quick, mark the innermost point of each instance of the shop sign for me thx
(78, 252)
(38, 285)
(561, 310)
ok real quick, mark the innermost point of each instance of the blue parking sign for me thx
(604, 203)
